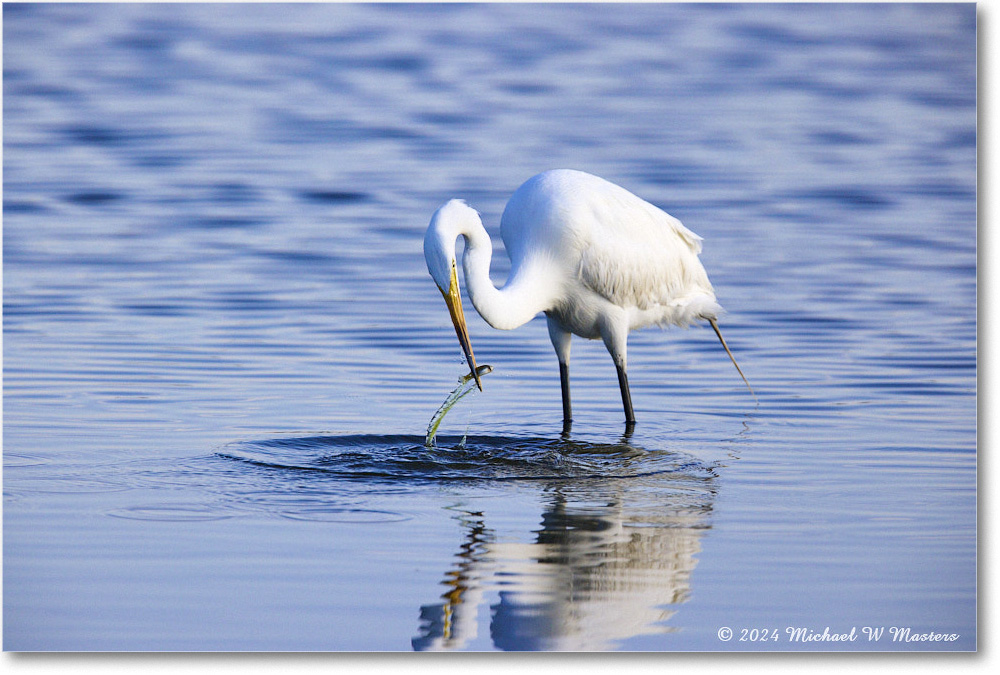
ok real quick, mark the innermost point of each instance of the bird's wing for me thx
(639, 256)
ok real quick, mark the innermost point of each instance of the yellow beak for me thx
(454, 301)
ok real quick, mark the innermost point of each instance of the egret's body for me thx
(596, 259)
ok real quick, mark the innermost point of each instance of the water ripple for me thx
(181, 513)
(373, 457)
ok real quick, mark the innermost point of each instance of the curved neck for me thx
(513, 305)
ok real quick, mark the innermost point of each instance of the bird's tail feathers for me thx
(693, 308)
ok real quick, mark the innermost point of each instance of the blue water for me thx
(221, 347)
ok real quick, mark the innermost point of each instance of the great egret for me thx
(598, 260)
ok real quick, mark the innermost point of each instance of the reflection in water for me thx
(607, 564)
(451, 624)
(612, 559)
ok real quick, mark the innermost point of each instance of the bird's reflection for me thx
(450, 624)
(611, 560)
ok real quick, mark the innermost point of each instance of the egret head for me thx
(447, 224)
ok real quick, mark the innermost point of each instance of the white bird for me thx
(596, 259)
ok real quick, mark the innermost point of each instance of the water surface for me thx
(222, 348)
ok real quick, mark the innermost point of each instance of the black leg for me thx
(626, 396)
(564, 383)
(627, 436)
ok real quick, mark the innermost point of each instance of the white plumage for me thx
(596, 259)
